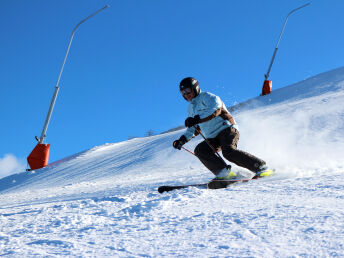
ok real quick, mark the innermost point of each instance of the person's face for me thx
(188, 94)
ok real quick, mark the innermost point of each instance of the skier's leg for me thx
(208, 158)
(229, 141)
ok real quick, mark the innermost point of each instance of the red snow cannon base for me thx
(39, 157)
(267, 87)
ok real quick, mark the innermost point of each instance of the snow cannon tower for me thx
(267, 85)
(39, 157)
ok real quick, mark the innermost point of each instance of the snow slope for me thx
(103, 201)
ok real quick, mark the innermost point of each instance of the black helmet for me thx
(191, 83)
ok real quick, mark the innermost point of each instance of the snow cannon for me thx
(39, 157)
(267, 87)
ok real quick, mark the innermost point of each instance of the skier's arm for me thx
(190, 132)
(214, 108)
(219, 112)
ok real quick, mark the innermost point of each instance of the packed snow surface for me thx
(104, 201)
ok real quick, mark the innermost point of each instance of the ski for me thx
(214, 184)
(167, 188)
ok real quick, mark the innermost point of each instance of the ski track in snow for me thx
(104, 201)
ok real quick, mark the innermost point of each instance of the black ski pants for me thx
(227, 141)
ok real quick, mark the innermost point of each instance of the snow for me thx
(104, 201)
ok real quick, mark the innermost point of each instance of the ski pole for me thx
(212, 147)
(188, 151)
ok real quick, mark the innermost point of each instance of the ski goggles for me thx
(186, 91)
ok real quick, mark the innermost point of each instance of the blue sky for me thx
(121, 77)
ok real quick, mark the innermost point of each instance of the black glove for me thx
(179, 143)
(191, 121)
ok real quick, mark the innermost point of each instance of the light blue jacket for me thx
(204, 105)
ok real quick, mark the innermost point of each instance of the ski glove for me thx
(191, 121)
(179, 143)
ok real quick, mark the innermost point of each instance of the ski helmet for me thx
(192, 83)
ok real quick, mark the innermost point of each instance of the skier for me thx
(208, 114)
